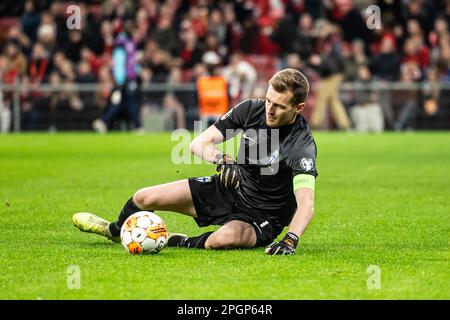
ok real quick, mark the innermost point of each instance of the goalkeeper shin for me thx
(128, 209)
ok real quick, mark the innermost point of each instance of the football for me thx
(143, 232)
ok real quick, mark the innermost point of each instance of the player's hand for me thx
(230, 174)
(286, 246)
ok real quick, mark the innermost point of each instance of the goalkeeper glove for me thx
(230, 174)
(286, 246)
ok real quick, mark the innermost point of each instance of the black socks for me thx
(192, 242)
(128, 209)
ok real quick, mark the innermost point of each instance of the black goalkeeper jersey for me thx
(269, 159)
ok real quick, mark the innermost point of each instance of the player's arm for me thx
(304, 195)
(204, 145)
(304, 213)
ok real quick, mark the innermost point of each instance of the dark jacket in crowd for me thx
(385, 66)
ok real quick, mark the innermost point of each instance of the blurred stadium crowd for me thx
(395, 76)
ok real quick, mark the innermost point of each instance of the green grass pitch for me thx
(381, 200)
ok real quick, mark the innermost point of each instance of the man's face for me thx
(279, 110)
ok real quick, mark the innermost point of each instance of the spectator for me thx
(357, 58)
(94, 61)
(416, 52)
(46, 33)
(295, 62)
(286, 35)
(191, 53)
(241, 77)
(74, 45)
(442, 113)
(172, 102)
(16, 64)
(366, 113)
(65, 104)
(439, 32)
(165, 35)
(30, 20)
(358, 50)
(5, 116)
(60, 21)
(383, 34)
(217, 26)
(90, 29)
(212, 90)
(385, 67)
(197, 20)
(13, 68)
(249, 42)
(106, 83)
(142, 28)
(107, 35)
(125, 97)
(38, 72)
(159, 67)
(304, 45)
(330, 66)
(14, 33)
(5, 111)
(447, 13)
(350, 21)
(212, 44)
(406, 100)
(86, 76)
(386, 64)
(112, 9)
(421, 11)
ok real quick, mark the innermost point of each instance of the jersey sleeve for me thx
(235, 118)
(302, 159)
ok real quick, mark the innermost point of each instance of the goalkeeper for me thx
(268, 187)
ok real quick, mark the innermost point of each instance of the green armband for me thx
(304, 181)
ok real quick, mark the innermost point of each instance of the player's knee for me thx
(222, 240)
(143, 199)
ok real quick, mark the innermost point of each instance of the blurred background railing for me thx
(371, 106)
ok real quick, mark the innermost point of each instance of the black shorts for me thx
(214, 208)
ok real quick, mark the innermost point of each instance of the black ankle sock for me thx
(192, 242)
(128, 209)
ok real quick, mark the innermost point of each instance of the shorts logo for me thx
(265, 223)
(307, 164)
(204, 179)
